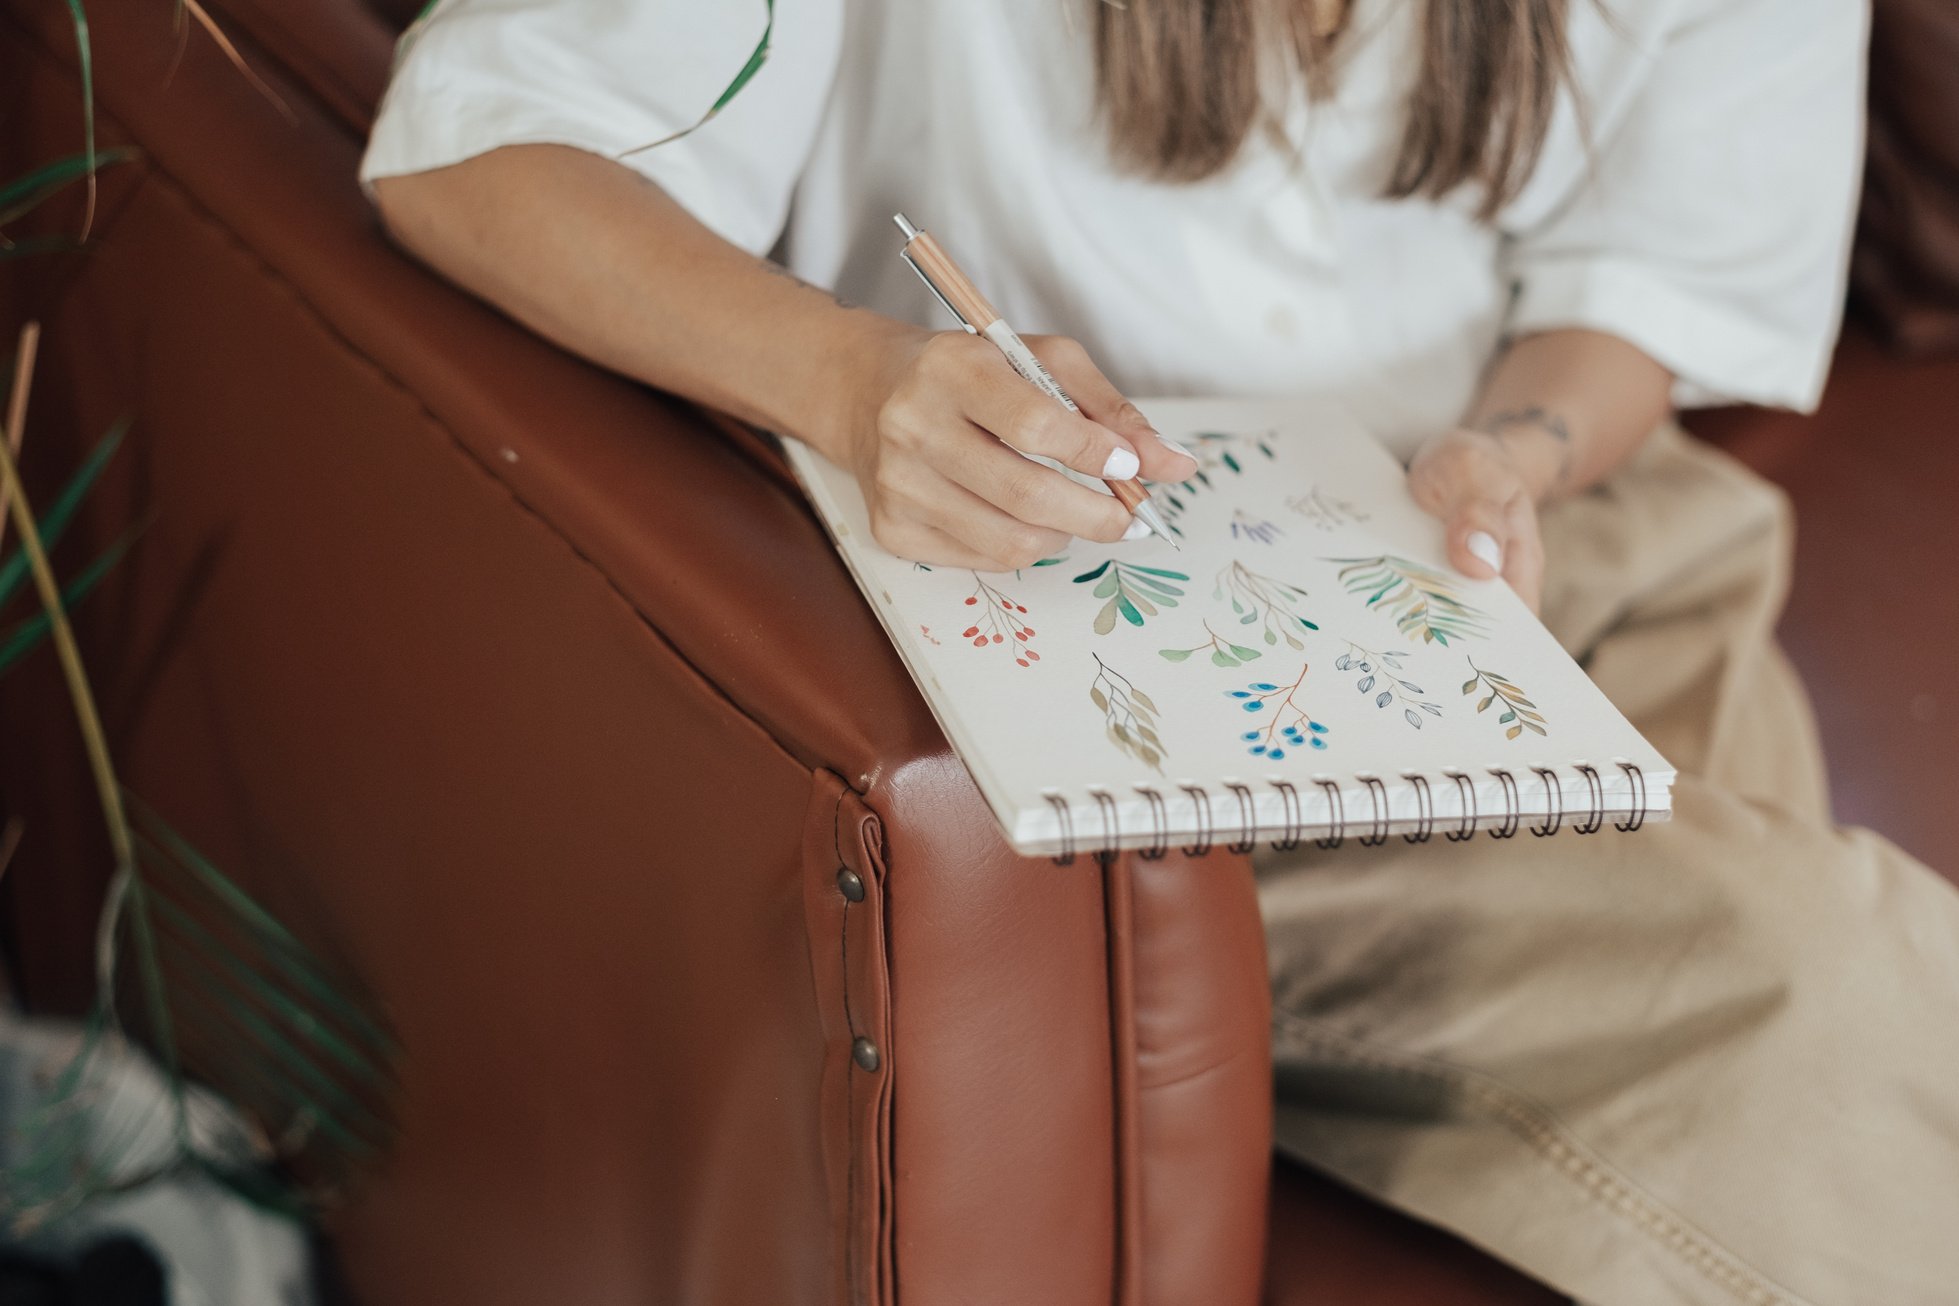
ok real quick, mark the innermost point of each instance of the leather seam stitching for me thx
(1538, 1127)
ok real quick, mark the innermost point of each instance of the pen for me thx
(937, 270)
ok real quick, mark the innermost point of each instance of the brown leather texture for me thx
(1905, 270)
(541, 701)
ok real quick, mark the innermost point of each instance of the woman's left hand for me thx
(1472, 482)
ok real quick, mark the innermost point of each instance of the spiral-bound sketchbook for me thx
(1309, 665)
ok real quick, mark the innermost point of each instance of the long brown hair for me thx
(1181, 85)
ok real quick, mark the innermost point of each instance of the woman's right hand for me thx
(938, 427)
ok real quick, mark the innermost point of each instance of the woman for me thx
(1709, 1064)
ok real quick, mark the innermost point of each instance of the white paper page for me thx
(1309, 637)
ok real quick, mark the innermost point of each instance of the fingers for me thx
(970, 532)
(979, 469)
(1100, 401)
(1524, 558)
(1033, 493)
(1489, 516)
(945, 473)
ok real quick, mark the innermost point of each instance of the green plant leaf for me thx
(1174, 654)
(27, 191)
(18, 642)
(13, 572)
(1091, 575)
(1129, 612)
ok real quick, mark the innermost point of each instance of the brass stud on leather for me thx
(864, 1053)
(850, 884)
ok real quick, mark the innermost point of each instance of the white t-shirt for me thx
(1708, 223)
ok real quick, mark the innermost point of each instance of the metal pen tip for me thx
(904, 225)
(1146, 513)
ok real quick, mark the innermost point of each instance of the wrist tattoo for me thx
(1534, 418)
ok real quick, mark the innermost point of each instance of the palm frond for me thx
(225, 992)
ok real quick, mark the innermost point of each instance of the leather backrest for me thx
(1905, 273)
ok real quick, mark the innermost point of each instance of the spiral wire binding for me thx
(1424, 805)
(1248, 817)
(1295, 817)
(1513, 808)
(1377, 794)
(1336, 806)
(1159, 825)
(1466, 801)
(1111, 830)
(1637, 817)
(1295, 826)
(1200, 798)
(1066, 857)
(1553, 798)
(1597, 819)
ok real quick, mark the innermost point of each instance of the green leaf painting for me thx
(1129, 716)
(1425, 603)
(1220, 455)
(1519, 713)
(1223, 652)
(1133, 593)
(1274, 606)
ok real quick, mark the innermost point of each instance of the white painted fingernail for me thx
(1484, 546)
(1121, 466)
(1174, 447)
(1137, 530)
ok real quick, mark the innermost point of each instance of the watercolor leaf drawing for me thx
(1425, 603)
(1519, 713)
(1129, 716)
(1287, 723)
(1244, 526)
(1219, 454)
(1325, 511)
(1380, 676)
(1133, 592)
(1223, 652)
(1261, 601)
(998, 621)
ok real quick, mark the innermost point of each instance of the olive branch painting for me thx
(1519, 713)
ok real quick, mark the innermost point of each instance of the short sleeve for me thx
(1713, 229)
(609, 76)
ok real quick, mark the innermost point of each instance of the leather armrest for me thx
(1071, 1102)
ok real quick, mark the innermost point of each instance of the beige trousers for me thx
(1714, 1061)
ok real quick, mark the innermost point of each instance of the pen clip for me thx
(957, 316)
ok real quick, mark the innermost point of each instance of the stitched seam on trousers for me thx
(1540, 1129)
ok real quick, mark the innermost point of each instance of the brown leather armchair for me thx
(540, 700)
